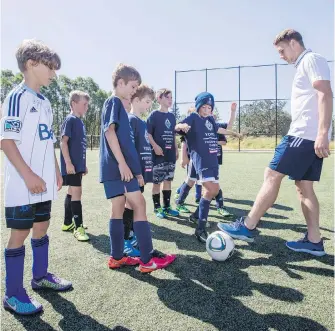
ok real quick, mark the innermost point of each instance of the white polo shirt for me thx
(27, 119)
(310, 67)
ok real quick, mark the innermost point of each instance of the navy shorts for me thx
(115, 188)
(24, 217)
(191, 173)
(73, 180)
(296, 158)
(163, 172)
(208, 175)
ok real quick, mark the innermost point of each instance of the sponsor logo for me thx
(12, 126)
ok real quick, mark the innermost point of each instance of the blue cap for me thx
(204, 98)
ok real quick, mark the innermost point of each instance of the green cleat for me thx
(171, 212)
(183, 209)
(160, 212)
(68, 228)
(80, 234)
(224, 212)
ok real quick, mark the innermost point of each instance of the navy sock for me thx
(143, 235)
(203, 213)
(184, 191)
(196, 213)
(198, 191)
(219, 200)
(67, 210)
(40, 257)
(116, 234)
(179, 188)
(14, 261)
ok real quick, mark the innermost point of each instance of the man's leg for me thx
(310, 208)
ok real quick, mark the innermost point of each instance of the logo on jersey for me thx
(146, 136)
(44, 132)
(167, 124)
(33, 110)
(209, 125)
(12, 126)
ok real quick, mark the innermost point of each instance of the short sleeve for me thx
(68, 127)
(13, 114)
(112, 112)
(150, 124)
(317, 68)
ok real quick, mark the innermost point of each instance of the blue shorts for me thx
(208, 175)
(24, 217)
(115, 188)
(296, 158)
(191, 173)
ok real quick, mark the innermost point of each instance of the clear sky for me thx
(159, 37)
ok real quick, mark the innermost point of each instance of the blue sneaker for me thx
(133, 241)
(22, 304)
(130, 250)
(171, 212)
(160, 212)
(304, 245)
(51, 282)
(238, 230)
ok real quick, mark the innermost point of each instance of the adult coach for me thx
(301, 152)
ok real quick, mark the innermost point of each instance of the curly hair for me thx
(38, 52)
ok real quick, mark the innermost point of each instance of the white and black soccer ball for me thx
(220, 246)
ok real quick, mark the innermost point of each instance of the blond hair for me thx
(287, 35)
(142, 91)
(191, 110)
(38, 52)
(76, 95)
(127, 73)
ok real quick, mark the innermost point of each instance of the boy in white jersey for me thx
(300, 153)
(32, 175)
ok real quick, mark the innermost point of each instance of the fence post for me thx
(206, 78)
(276, 86)
(239, 106)
(175, 93)
(91, 142)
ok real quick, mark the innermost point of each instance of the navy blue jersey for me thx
(74, 128)
(202, 141)
(161, 126)
(113, 112)
(142, 145)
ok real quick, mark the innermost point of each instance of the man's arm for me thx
(325, 110)
(35, 184)
(232, 115)
(66, 155)
(114, 145)
(229, 132)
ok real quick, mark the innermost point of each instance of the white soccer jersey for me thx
(311, 67)
(27, 119)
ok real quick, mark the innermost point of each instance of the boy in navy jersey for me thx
(161, 125)
(73, 163)
(201, 133)
(120, 173)
(31, 176)
(141, 101)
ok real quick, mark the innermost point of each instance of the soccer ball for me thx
(220, 246)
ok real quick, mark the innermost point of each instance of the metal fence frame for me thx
(276, 99)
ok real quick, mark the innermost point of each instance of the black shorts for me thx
(24, 217)
(73, 180)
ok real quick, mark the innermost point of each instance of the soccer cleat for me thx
(22, 304)
(52, 282)
(201, 235)
(160, 212)
(237, 230)
(182, 209)
(68, 228)
(130, 250)
(133, 241)
(126, 260)
(305, 246)
(176, 196)
(158, 260)
(80, 234)
(224, 212)
(170, 212)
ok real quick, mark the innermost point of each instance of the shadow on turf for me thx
(250, 203)
(209, 291)
(72, 319)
